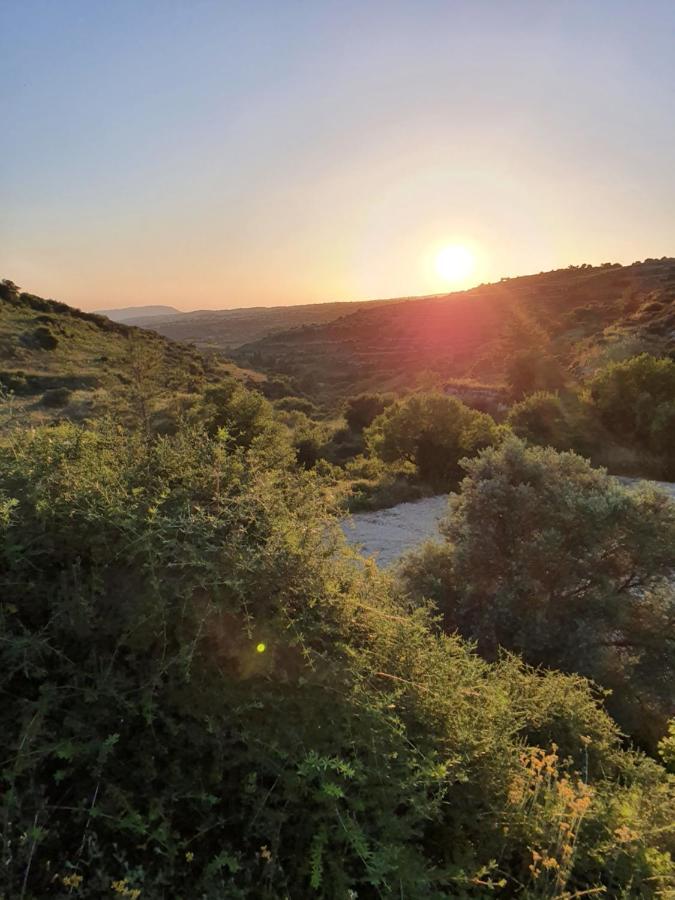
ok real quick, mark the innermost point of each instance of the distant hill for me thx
(224, 329)
(58, 362)
(579, 316)
(133, 313)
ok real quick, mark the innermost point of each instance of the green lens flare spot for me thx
(260, 648)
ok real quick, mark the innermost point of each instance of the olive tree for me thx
(554, 559)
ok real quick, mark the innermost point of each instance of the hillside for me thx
(579, 317)
(132, 313)
(223, 329)
(59, 362)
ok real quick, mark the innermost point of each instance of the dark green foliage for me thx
(361, 411)
(433, 432)
(201, 699)
(635, 400)
(54, 397)
(9, 291)
(244, 415)
(532, 370)
(296, 404)
(41, 338)
(540, 419)
(551, 558)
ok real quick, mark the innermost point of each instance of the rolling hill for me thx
(130, 314)
(224, 329)
(578, 317)
(58, 362)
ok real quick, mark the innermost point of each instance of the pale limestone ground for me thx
(389, 533)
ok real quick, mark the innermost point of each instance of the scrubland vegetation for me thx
(206, 695)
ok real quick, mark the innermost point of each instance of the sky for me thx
(215, 153)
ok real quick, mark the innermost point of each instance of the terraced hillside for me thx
(576, 318)
(223, 329)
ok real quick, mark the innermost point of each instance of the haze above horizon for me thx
(211, 155)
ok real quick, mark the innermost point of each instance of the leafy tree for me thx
(433, 432)
(244, 416)
(540, 419)
(362, 410)
(553, 559)
(635, 399)
(9, 291)
(532, 369)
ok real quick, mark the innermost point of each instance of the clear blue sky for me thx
(208, 154)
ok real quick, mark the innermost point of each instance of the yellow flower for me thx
(72, 881)
(189, 856)
(625, 834)
(120, 887)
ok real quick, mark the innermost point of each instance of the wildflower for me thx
(265, 853)
(72, 881)
(551, 863)
(120, 887)
(189, 856)
(516, 789)
(624, 834)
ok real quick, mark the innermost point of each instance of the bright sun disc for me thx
(455, 263)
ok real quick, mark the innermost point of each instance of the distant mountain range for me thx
(133, 313)
(224, 329)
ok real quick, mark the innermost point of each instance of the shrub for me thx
(553, 559)
(635, 399)
(540, 419)
(54, 397)
(361, 411)
(244, 417)
(433, 432)
(533, 370)
(44, 338)
(176, 624)
(295, 404)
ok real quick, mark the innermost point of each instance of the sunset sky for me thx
(216, 154)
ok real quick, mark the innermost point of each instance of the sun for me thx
(455, 263)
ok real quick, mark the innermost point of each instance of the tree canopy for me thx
(551, 558)
(433, 432)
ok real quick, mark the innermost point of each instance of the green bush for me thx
(531, 370)
(44, 338)
(433, 432)
(362, 410)
(54, 397)
(540, 419)
(548, 557)
(201, 698)
(635, 400)
(295, 404)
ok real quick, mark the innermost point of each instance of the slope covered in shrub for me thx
(201, 697)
